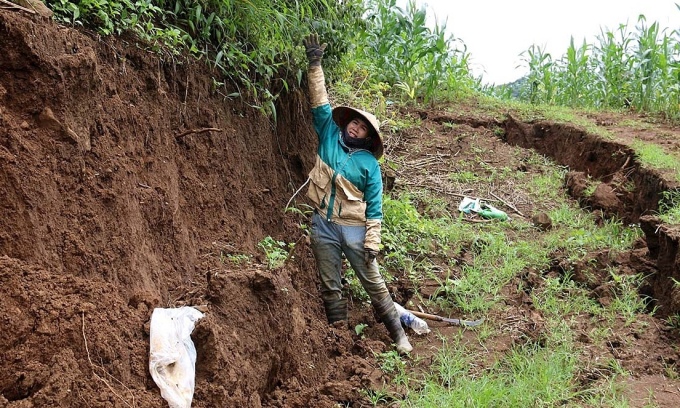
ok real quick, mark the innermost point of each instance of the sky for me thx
(497, 31)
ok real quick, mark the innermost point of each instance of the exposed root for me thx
(87, 350)
(191, 131)
(11, 5)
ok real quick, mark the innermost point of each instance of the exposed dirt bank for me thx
(115, 201)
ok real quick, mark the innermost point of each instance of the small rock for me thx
(47, 120)
(542, 221)
(25, 126)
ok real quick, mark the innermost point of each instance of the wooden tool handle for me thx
(426, 316)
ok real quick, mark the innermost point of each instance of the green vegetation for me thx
(626, 69)
(254, 46)
(275, 251)
(669, 207)
(527, 376)
(654, 156)
(541, 371)
(380, 53)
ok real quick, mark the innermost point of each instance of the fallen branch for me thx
(16, 6)
(189, 132)
(452, 321)
(508, 204)
(439, 190)
(476, 221)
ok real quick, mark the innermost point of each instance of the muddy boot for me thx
(336, 310)
(390, 317)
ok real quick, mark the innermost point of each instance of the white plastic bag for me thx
(468, 204)
(485, 210)
(172, 355)
(410, 320)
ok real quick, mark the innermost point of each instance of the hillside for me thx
(129, 184)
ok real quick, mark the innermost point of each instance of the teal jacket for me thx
(346, 184)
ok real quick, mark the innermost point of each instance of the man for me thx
(346, 189)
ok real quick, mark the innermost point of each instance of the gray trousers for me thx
(329, 241)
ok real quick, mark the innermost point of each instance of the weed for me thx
(669, 206)
(237, 259)
(275, 251)
(627, 301)
(359, 329)
(673, 321)
(353, 285)
(391, 362)
(375, 397)
(464, 176)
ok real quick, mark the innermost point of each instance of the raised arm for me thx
(317, 82)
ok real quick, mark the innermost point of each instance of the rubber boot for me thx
(336, 310)
(390, 317)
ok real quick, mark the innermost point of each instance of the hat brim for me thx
(342, 115)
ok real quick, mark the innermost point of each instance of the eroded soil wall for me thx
(129, 183)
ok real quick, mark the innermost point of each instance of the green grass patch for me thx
(526, 376)
(654, 156)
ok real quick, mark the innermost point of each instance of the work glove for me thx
(313, 49)
(369, 256)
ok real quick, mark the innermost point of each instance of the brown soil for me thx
(117, 199)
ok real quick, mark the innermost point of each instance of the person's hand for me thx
(313, 49)
(369, 256)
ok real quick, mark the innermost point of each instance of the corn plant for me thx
(638, 70)
(540, 86)
(611, 55)
(576, 74)
(417, 61)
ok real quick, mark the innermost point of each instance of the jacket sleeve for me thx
(373, 198)
(321, 109)
(317, 87)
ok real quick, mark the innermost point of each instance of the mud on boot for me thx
(403, 346)
(336, 310)
(390, 317)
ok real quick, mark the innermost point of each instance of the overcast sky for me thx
(497, 31)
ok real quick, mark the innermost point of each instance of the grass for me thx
(543, 371)
(654, 156)
(526, 376)
(669, 207)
